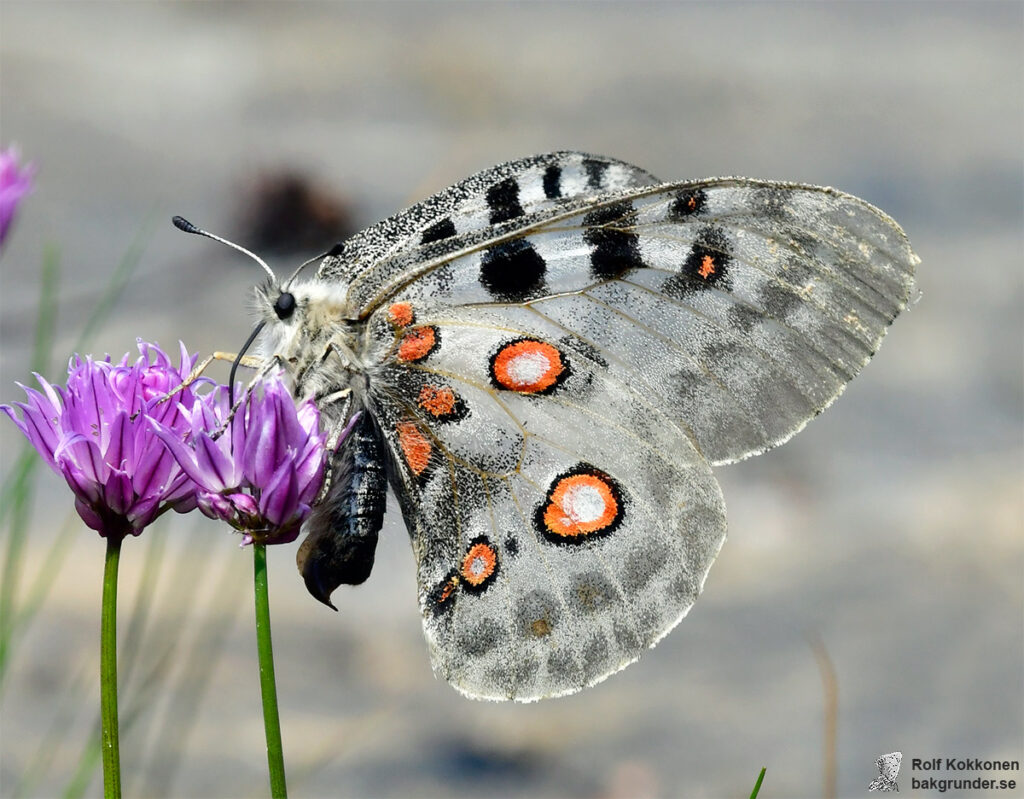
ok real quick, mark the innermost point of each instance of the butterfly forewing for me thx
(749, 304)
(371, 261)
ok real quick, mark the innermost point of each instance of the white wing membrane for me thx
(556, 349)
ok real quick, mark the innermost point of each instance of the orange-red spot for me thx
(479, 563)
(707, 267)
(528, 366)
(581, 504)
(400, 314)
(448, 590)
(691, 202)
(415, 447)
(417, 343)
(437, 400)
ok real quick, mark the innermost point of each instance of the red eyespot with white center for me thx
(529, 366)
(581, 504)
(479, 565)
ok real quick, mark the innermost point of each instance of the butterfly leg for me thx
(265, 368)
(248, 361)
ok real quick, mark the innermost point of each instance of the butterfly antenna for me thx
(334, 251)
(238, 360)
(183, 224)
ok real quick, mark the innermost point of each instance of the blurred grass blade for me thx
(17, 491)
(186, 697)
(757, 785)
(41, 763)
(118, 281)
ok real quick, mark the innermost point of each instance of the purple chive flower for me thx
(98, 434)
(15, 183)
(260, 472)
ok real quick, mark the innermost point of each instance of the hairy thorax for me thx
(318, 347)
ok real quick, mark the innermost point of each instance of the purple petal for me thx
(309, 417)
(122, 444)
(309, 472)
(118, 494)
(217, 506)
(181, 490)
(48, 403)
(216, 464)
(260, 456)
(150, 476)
(280, 499)
(81, 456)
(187, 503)
(15, 183)
(185, 457)
(88, 515)
(244, 502)
(36, 429)
(97, 406)
(188, 362)
(142, 514)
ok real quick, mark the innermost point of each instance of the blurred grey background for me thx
(890, 531)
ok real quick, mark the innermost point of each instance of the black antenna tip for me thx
(181, 223)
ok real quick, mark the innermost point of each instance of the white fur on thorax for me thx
(302, 343)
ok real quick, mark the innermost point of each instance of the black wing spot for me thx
(706, 265)
(512, 271)
(503, 200)
(615, 248)
(442, 596)
(595, 172)
(553, 182)
(442, 229)
(687, 203)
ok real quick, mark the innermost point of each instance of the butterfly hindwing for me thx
(561, 522)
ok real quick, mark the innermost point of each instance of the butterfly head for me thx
(307, 328)
(300, 322)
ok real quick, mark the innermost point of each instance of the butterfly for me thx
(888, 770)
(544, 362)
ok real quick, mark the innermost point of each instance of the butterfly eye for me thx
(284, 305)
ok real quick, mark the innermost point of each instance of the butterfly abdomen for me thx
(343, 527)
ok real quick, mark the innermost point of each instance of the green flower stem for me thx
(108, 672)
(268, 686)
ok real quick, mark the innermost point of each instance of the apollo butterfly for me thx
(544, 361)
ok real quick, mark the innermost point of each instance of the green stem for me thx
(268, 686)
(108, 671)
(757, 785)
